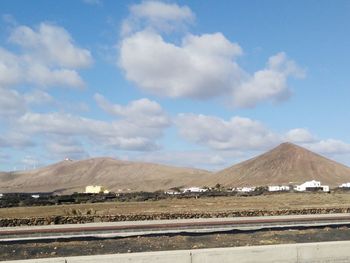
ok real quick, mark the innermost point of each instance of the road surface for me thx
(158, 227)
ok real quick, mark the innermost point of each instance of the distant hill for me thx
(70, 176)
(287, 163)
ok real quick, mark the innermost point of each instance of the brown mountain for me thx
(116, 175)
(287, 163)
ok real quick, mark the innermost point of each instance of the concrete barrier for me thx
(324, 252)
(175, 256)
(337, 252)
(261, 254)
(42, 260)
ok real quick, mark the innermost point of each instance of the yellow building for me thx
(95, 189)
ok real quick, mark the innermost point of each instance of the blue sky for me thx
(191, 83)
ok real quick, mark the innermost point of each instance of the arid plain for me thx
(269, 202)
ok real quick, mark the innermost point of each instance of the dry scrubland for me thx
(218, 204)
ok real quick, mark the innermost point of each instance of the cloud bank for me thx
(200, 66)
(47, 57)
(245, 134)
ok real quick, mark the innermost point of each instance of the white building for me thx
(325, 188)
(345, 185)
(95, 189)
(311, 184)
(244, 189)
(194, 190)
(278, 188)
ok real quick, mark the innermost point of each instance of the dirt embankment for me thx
(82, 219)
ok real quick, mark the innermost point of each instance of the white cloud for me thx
(52, 45)
(10, 69)
(200, 67)
(15, 140)
(235, 134)
(216, 160)
(61, 124)
(323, 146)
(138, 126)
(43, 76)
(244, 134)
(14, 104)
(269, 84)
(38, 97)
(299, 135)
(143, 112)
(66, 148)
(157, 14)
(11, 103)
(47, 57)
(329, 147)
(156, 11)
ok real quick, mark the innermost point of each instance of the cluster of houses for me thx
(346, 185)
(307, 186)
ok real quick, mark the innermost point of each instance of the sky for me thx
(193, 83)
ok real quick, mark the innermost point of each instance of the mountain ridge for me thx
(116, 175)
(285, 164)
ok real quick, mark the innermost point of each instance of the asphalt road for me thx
(142, 228)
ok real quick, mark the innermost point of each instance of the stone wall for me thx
(59, 220)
